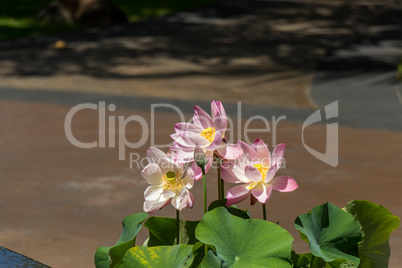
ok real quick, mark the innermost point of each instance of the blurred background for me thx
(278, 58)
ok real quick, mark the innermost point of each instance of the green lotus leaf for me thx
(242, 213)
(131, 226)
(199, 253)
(308, 260)
(340, 263)
(332, 233)
(178, 256)
(301, 260)
(376, 223)
(211, 261)
(245, 242)
(163, 232)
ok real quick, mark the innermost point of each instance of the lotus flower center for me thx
(170, 176)
(209, 133)
(170, 183)
(262, 169)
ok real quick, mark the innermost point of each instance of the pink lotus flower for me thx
(255, 170)
(207, 132)
(170, 182)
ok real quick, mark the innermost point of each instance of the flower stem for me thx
(204, 179)
(264, 212)
(312, 261)
(222, 188)
(178, 226)
(220, 197)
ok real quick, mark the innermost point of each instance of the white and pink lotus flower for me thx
(170, 182)
(252, 166)
(208, 133)
(255, 172)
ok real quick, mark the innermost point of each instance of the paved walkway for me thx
(363, 80)
(59, 202)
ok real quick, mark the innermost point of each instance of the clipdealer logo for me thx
(107, 125)
(331, 156)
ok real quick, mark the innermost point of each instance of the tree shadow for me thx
(233, 38)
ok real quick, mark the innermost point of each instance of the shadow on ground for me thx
(232, 38)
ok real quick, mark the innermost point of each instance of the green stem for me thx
(264, 212)
(204, 179)
(312, 264)
(220, 197)
(222, 188)
(178, 226)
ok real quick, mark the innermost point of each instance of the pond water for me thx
(10, 258)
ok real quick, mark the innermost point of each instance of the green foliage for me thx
(376, 223)
(131, 226)
(356, 236)
(162, 231)
(301, 260)
(144, 9)
(332, 233)
(179, 256)
(21, 8)
(244, 214)
(199, 254)
(308, 260)
(17, 17)
(245, 243)
(211, 261)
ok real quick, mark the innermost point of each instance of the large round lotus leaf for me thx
(377, 224)
(245, 242)
(178, 256)
(331, 232)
